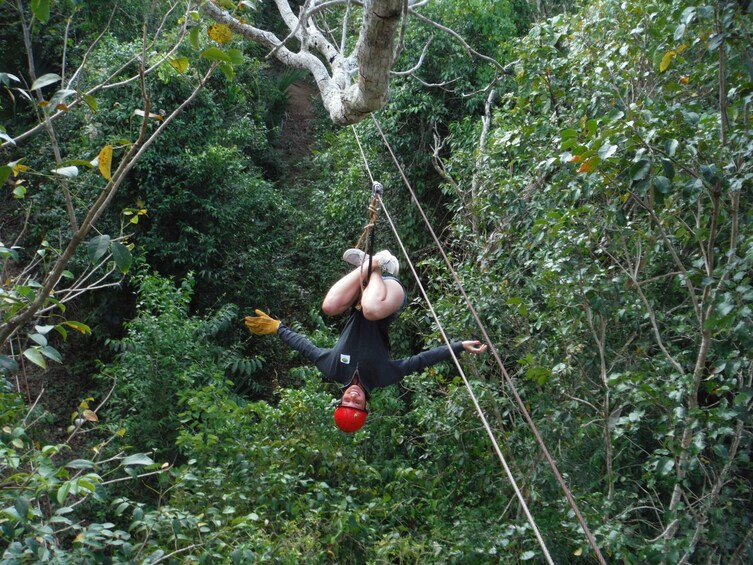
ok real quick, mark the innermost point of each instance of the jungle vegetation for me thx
(161, 177)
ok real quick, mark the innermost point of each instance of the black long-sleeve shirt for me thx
(364, 345)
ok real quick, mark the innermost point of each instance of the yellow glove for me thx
(261, 325)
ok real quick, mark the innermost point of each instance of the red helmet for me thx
(350, 419)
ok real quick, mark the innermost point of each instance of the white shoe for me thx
(388, 262)
(355, 257)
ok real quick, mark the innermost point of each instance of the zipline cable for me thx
(467, 383)
(495, 353)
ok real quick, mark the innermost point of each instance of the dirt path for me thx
(297, 132)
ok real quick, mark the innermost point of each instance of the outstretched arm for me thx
(301, 344)
(261, 324)
(431, 357)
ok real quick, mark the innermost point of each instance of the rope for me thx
(495, 353)
(467, 383)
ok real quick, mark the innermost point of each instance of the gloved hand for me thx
(261, 324)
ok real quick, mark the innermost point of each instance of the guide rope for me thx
(467, 383)
(508, 380)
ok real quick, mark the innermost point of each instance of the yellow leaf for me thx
(685, 79)
(79, 538)
(578, 552)
(121, 432)
(105, 161)
(62, 107)
(19, 168)
(220, 33)
(666, 60)
(90, 416)
(180, 64)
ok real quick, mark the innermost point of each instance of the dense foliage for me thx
(595, 201)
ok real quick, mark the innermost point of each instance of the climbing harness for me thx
(508, 380)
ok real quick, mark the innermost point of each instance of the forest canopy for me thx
(586, 168)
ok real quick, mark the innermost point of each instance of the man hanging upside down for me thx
(360, 360)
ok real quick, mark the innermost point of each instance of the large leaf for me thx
(5, 78)
(137, 459)
(51, 353)
(91, 102)
(104, 161)
(41, 10)
(180, 64)
(122, 256)
(45, 80)
(33, 355)
(193, 37)
(236, 56)
(8, 363)
(21, 504)
(215, 54)
(97, 247)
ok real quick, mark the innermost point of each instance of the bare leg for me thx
(344, 293)
(381, 297)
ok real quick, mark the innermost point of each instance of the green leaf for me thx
(19, 192)
(215, 54)
(662, 184)
(78, 162)
(21, 504)
(743, 397)
(33, 355)
(80, 464)
(8, 363)
(41, 10)
(665, 465)
(591, 127)
(97, 247)
(671, 147)
(669, 168)
(180, 64)
(60, 96)
(63, 491)
(137, 459)
(5, 78)
(51, 353)
(91, 102)
(122, 256)
(640, 170)
(193, 36)
(607, 150)
(5, 172)
(39, 339)
(45, 80)
(236, 56)
(228, 70)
